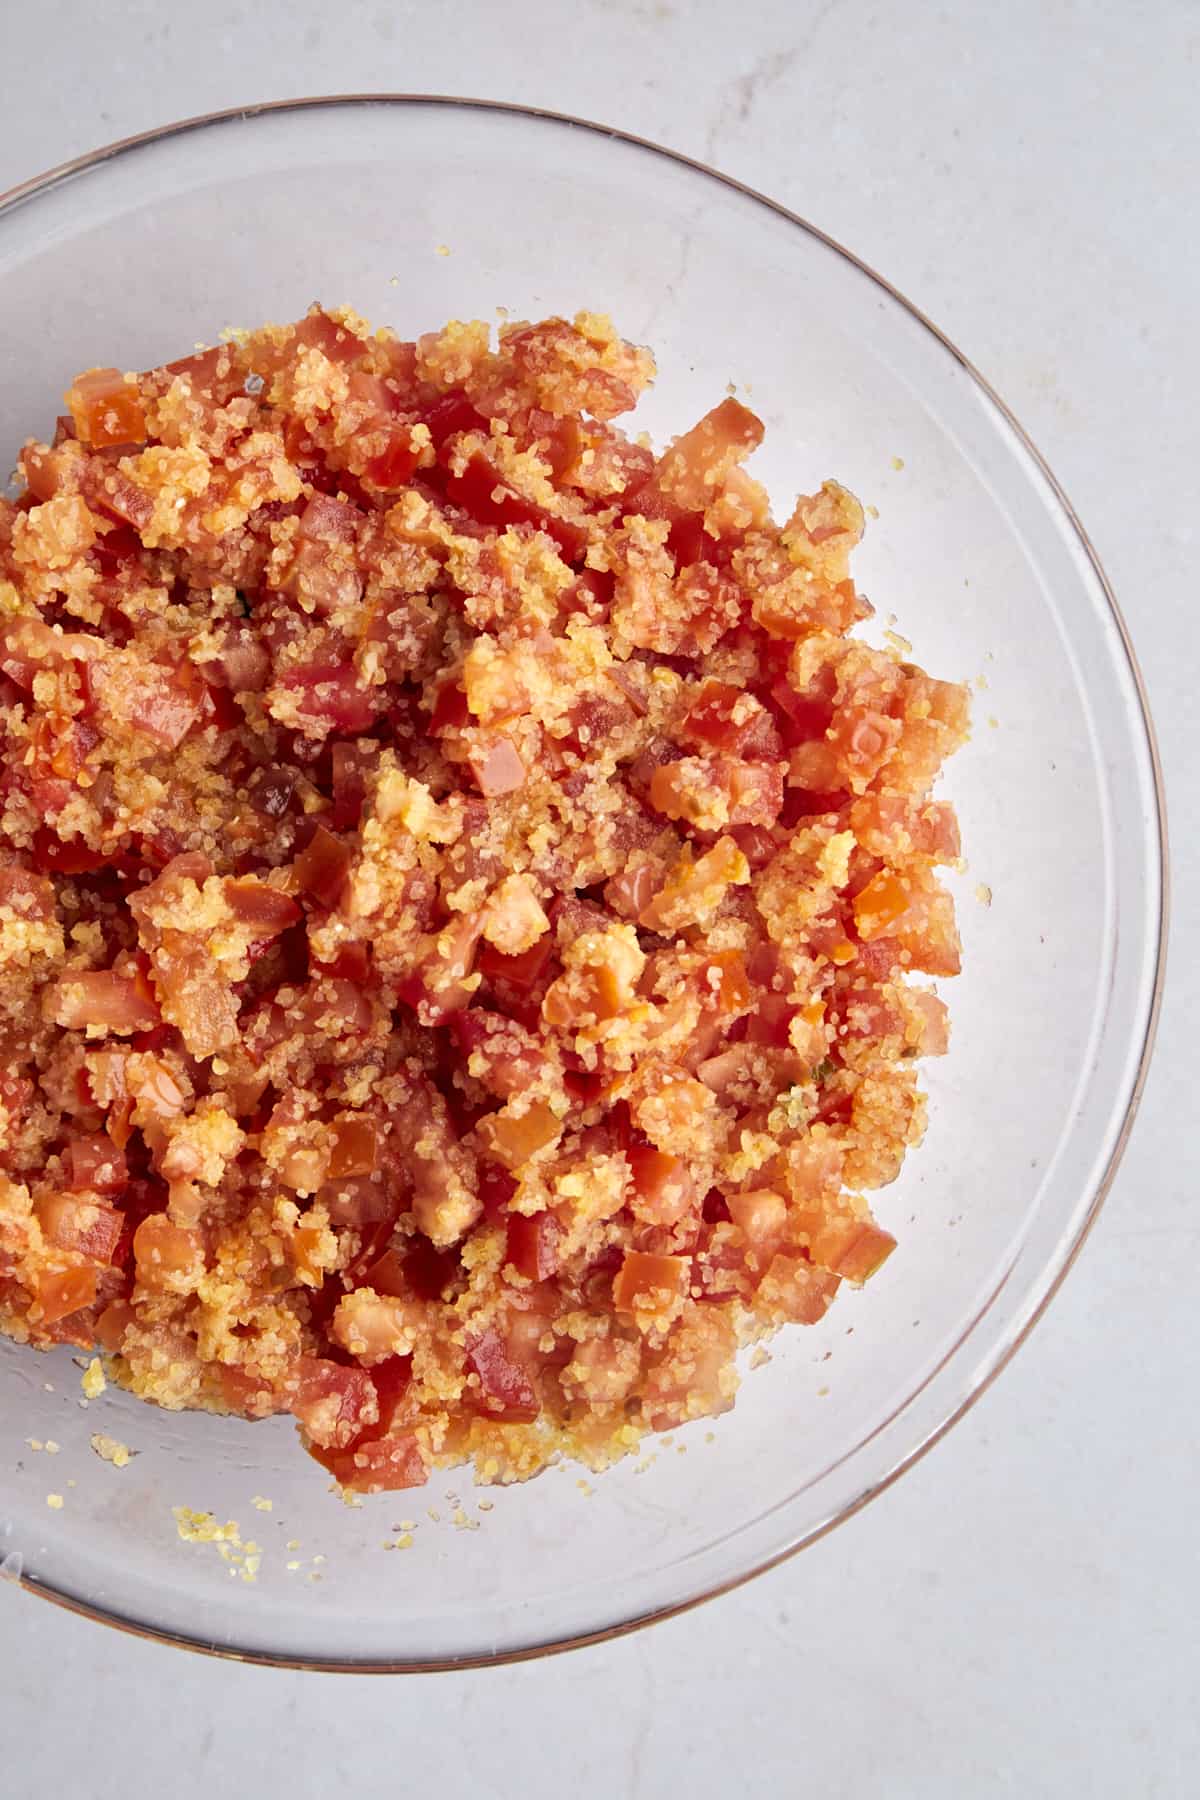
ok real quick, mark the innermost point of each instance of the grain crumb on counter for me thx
(92, 1380)
(110, 1450)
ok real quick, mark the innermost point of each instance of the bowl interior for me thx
(419, 211)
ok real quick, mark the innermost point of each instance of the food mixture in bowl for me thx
(459, 884)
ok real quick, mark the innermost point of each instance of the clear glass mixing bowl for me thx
(414, 210)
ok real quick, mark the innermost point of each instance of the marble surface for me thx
(1017, 1616)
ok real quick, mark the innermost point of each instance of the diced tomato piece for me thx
(83, 1223)
(354, 1202)
(497, 767)
(65, 856)
(523, 971)
(724, 984)
(692, 470)
(328, 521)
(165, 705)
(352, 963)
(631, 891)
(533, 1244)
(505, 1388)
(650, 1284)
(214, 373)
(896, 827)
(105, 1000)
(450, 709)
(331, 694)
(450, 415)
(257, 903)
(877, 908)
(336, 341)
(61, 1292)
(862, 739)
(377, 1465)
(242, 1391)
(795, 1290)
(712, 792)
(854, 1250)
(927, 1029)
(166, 1255)
(393, 466)
(244, 664)
(513, 1139)
(723, 717)
(391, 1380)
(334, 1404)
(761, 1216)
(323, 869)
(863, 1011)
(663, 1189)
(106, 408)
(112, 1325)
(94, 1162)
(352, 764)
(501, 1054)
(481, 491)
(354, 1148)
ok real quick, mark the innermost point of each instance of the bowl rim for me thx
(54, 177)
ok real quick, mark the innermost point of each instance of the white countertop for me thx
(1017, 1616)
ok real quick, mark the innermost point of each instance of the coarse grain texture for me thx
(459, 884)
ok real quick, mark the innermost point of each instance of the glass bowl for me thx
(414, 210)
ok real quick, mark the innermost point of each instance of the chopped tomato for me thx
(693, 468)
(505, 1388)
(105, 1000)
(648, 1283)
(168, 1256)
(724, 717)
(497, 767)
(334, 1404)
(83, 1223)
(378, 1465)
(323, 869)
(513, 1138)
(354, 1149)
(93, 1162)
(533, 1244)
(61, 1292)
(106, 408)
(663, 1189)
(522, 971)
